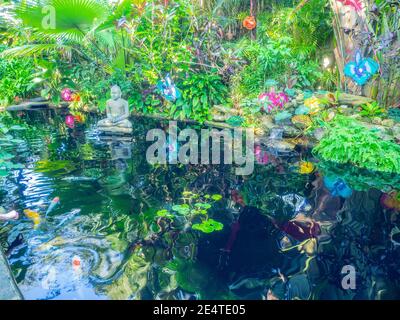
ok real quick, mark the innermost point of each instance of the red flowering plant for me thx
(66, 94)
(272, 100)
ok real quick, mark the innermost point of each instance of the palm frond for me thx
(32, 49)
(73, 19)
(122, 9)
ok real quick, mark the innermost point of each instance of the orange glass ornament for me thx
(249, 23)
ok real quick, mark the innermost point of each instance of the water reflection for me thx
(285, 235)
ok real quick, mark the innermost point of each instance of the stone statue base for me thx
(114, 130)
(107, 127)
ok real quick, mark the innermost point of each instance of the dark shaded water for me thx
(105, 241)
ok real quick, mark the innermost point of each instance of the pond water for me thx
(104, 240)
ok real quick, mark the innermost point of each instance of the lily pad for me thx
(181, 209)
(208, 226)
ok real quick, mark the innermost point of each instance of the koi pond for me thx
(121, 228)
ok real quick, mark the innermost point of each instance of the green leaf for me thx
(203, 205)
(208, 226)
(165, 213)
(216, 197)
(181, 209)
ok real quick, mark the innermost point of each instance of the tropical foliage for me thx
(16, 79)
(348, 141)
(89, 45)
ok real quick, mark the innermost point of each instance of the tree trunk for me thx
(347, 23)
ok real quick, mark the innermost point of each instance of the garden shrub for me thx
(16, 77)
(200, 92)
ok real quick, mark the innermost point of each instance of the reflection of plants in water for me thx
(7, 125)
(360, 179)
(164, 235)
(86, 151)
(196, 277)
(132, 281)
(166, 183)
(55, 167)
(265, 184)
(6, 165)
(366, 246)
(195, 207)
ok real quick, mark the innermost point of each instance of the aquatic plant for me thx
(348, 141)
(208, 226)
(195, 207)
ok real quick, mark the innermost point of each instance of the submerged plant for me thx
(348, 141)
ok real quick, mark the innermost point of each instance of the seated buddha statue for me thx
(117, 110)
